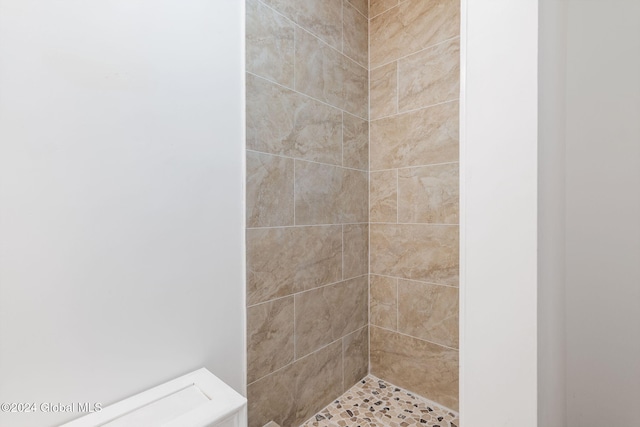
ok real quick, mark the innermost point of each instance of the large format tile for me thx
(429, 194)
(383, 196)
(429, 312)
(383, 301)
(417, 138)
(322, 18)
(283, 122)
(293, 394)
(376, 7)
(412, 26)
(429, 77)
(269, 190)
(326, 74)
(269, 337)
(416, 251)
(270, 44)
(355, 241)
(329, 195)
(425, 368)
(383, 89)
(283, 261)
(355, 142)
(356, 36)
(361, 5)
(326, 314)
(355, 347)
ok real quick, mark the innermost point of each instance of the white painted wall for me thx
(499, 213)
(551, 214)
(121, 212)
(603, 213)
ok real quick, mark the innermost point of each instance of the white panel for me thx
(121, 211)
(499, 213)
(551, 215)
(603, 212)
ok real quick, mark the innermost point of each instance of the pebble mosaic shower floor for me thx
(376, 403)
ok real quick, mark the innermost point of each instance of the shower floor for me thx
(376, 403)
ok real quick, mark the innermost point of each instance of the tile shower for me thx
(352, 201)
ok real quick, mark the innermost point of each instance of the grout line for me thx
(416, 166)
(392, 7)
(310, 225)
(295, 338)
(304, 160)
(343, 254)
(307, 290)
(342, 27)
(397, 87)
(397, 197)
(356, 9)
(414, 280)
(414, 110)
(342, 132)
(343, 350)
(414, 223)
(397, 305)
(302, 94)
(369, 188)
(294, 192)
(295, 46)
(303, 357)
(431, 46)
(417, 338)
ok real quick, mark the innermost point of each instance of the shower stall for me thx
(436, 198)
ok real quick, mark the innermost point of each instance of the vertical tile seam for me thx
(369, 186)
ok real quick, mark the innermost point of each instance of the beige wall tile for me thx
(412, 26)
(318, 381)
(416, 251)
(269, 337)
(322, 18)
(429, 194)
(430, 76)
(326, 74)
(273, 398)
(414, 139)
(318, 256)
(329, 195)
(326, 314)
(356, 88)
(429, 312)
(361, 5)
(355, 347)
(379, 6)
(355, 142)
(424, 368)
(356, 250)
(383, 196)
(356, 35)
(270, 44)
(282, 261)
(383, 298)
(293, 394)
(384, 91)
(269, 190)
(283, 122)
(319, 71)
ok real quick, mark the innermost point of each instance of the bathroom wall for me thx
(414, 199)
(307, 204)
(602, 202)
(121, 211)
